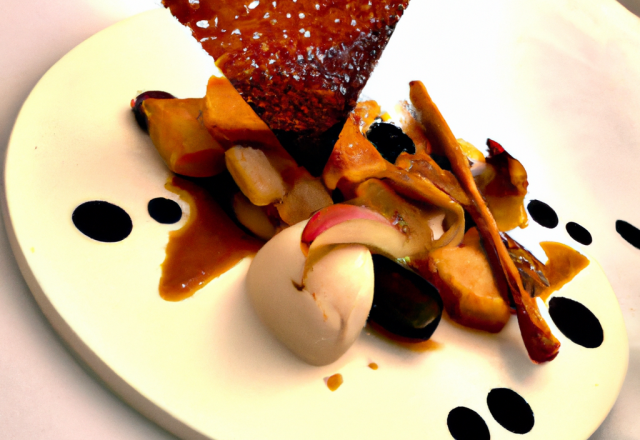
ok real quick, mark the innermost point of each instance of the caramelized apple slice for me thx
(262, 168)
(502, 181)
(355, 160)
(541, 345)
(306, 196)
(423, 223)
(253, 217)
(255, 176)
(176, 129)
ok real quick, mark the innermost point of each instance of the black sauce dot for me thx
(543, 214)
(466, 424)
(510, 410)
(102, 221)
(629, 232)
(576, 322)
(579, 233)
(164, 211)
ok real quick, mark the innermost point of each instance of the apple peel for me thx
(350, 224)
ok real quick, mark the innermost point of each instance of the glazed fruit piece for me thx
(407, 196)
(265, 172)
(176, 130)
(136, 106)
(255, 175)
(253, 217)
(301, 64)
(404, 303)
(351, 224)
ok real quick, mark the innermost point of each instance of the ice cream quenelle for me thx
(320, 319)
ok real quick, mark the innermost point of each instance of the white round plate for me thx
(205, 367)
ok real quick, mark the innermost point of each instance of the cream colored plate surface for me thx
(205, 367)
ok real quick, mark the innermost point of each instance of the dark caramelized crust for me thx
(301, 64)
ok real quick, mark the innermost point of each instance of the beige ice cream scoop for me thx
(320, 320)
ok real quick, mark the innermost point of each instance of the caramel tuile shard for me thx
(300, 64)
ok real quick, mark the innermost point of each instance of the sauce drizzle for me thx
(206, 246)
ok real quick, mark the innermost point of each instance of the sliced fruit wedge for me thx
(349, 224)
(265, 172)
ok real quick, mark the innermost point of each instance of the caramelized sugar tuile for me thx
(300, 64)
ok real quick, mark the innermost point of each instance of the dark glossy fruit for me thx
(404, 303)
(136, 105)
(390, 140)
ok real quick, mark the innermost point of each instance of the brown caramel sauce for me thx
(334, 382)
(373, 366)
(411, 344)
(204, 248)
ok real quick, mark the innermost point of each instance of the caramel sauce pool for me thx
(208, 244)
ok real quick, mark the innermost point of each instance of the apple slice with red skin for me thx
(350, 224)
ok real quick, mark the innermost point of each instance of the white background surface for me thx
(44, 392)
